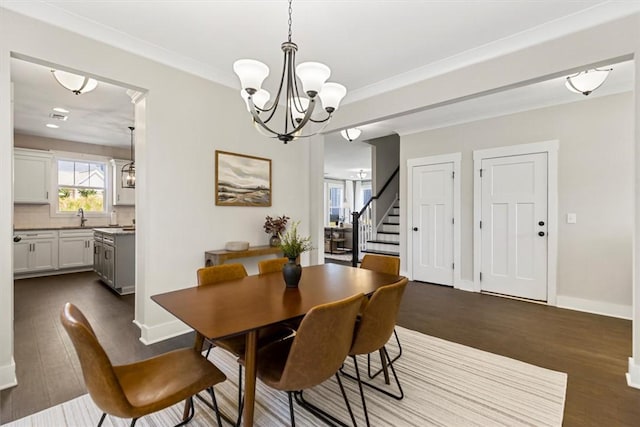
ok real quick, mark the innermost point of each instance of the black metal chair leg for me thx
(240, 396)
(215, 405)
(364, 403)
(322, 414)
(291, 412)
(133, 422)
(346, 400)
(104, 414)
(398, 396)
(189, 412)
(396, 357)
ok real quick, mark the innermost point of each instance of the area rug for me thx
(445, 384)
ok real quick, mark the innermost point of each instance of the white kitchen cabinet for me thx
(75, 248)
(31, 176)
(121, 196)
(36, 250)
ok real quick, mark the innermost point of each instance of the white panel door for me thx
(514, 226)
(432, 223)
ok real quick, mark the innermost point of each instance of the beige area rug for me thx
(445, 384)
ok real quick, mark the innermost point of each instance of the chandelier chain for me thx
(290, 11)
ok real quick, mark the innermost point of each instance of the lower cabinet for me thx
(114, 259)
(35, 251)
(75, 248)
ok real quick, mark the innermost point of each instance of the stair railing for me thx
(363, 223)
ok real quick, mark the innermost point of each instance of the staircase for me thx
(387, 238)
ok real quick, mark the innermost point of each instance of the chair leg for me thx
(385, 357)
(396, 357)
(322, 414)
(188, 413)
(291, 413)
(104, 414)
(212, 392)
(364, 403)
(240, 395)
(346, 400)
(133, 422)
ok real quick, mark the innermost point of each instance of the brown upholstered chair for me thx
(389, 265)
(313, 355)
(140, 388)
(373, 329)
(272, 265)
(212, 275)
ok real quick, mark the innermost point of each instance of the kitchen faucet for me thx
(82, 218)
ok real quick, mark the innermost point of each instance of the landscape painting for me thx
(242, 180)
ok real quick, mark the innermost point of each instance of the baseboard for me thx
(8, 375)
(465, 285)
(595, 307)
(633, 376)
(153, 334)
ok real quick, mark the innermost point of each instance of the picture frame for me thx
(242, 180)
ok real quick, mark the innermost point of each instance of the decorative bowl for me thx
(236, 246)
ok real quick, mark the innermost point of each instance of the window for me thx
(336, 196)
(81, 184)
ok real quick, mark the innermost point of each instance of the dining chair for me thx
(272, 265)
(374, 327)
(144, 387)
(313, 355)
(389, 265)
(212, 275)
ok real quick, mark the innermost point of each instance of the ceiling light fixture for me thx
(52, 126)
(297, 109)
(351, 134)
(362, 174)
(129, 170)
(587, 81)
(75, 83)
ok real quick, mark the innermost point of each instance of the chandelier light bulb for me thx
(313, 76)
(587, 81)
(260, 98)
(331, 95)
(251, 73)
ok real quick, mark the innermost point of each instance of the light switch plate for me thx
(571, 218)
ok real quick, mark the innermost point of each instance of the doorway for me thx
(515, 242)
(434, 219)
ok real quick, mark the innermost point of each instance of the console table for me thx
(219, 257)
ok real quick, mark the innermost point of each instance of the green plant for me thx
(292, 244)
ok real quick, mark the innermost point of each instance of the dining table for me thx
(243, 306)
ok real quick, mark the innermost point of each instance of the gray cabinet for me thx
(114, 259)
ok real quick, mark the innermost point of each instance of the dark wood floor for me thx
(592, 349)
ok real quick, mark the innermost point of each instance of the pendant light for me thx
(587, 81)
(129, 170)
(75, 83)
(351, 134)
(311, 77)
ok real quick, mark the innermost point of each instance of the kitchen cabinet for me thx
(35, 250)
(121, 196)
(31, 176)
(75, 248)
(114, 258)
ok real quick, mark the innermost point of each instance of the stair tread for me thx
(369, 251)
(390, 223)
(393, 215)
(389, 232)
(384, 241)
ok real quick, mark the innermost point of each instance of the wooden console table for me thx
(219, 257)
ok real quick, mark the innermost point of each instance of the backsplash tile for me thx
(36, 216)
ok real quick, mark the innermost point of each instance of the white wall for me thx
(595, 181)
(180, 124)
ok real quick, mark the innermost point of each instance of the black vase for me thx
(274, 241)
(292, 273)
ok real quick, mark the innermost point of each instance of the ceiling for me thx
(371, 47)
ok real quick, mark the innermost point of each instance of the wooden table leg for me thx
(250, 358)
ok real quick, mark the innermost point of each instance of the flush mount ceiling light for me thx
(52, 126)
(297, 109)
(129, 169)
(75, 83)
(587, 81)
(351, 134)
(362, 174)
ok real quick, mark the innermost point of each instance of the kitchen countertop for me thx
(118, 230)
(101, 227)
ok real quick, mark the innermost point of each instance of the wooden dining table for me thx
(243, 306)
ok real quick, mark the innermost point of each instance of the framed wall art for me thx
(242, 180)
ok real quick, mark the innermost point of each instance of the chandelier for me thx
(587, 81)
(297, 109)
(73, 82)
(351, 134)
(129, 170)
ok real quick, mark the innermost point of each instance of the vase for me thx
(274, 241)
(292, 273)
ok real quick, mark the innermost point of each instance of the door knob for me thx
(415, 228)
(541, 223)
(541, 233)
(17, 239)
